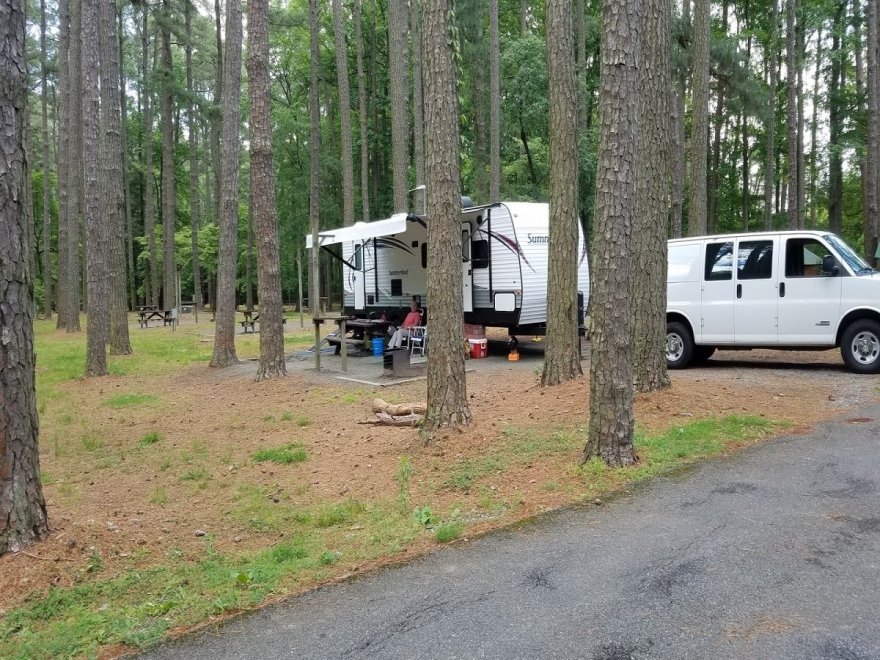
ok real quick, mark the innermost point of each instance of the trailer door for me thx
(467, 285)
(358, 277)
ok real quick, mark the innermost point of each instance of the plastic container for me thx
(479, 348)
(378, 346)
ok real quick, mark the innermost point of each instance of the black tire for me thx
(860, 346)
(703, 353)
(679, 345)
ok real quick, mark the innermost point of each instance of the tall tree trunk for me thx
(95, 223)
(249, 258)
(720, 118)
(263, 193)
(194, 206)
(63, 112)
(169, 199)
(835, 160)
(344, 115)
(397, 73)
(814, 174)
(113, 198)
(648, 279)
(78, 263)
(418, 92)
(23, 517)
(770, 160)
(69, 277)
(495, 110)
(362, 116)
(126, 184)
(314, 166)
(149, 217)
(47, 187)
(447, 388)
(677, 93)
(860, 101)
(872, 171)
(794, 212)
(801, 166)
(562, 352)
(611, 372)
(216, 124)
(697, 221)
(746, 168)
(227, 268)
(523, 17)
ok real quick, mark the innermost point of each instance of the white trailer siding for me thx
(502, 274)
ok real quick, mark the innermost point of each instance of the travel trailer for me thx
(784, 290)
(504, 265)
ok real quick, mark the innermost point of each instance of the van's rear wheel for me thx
(860, 346)
(679, 345)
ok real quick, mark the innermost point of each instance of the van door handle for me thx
(782, 289)
(739, 290)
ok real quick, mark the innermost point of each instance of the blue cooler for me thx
(378, 346)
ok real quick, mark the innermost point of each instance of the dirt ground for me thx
(135, 504)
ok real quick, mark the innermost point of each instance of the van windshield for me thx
(852, 259)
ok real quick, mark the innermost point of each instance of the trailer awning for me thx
(361, 231)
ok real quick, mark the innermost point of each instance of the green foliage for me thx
(423, 516)
(126, 400)
(449, 532)
(290, 453)
(150, 438)
(403, 478)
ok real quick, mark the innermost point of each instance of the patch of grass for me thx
(270, 418)
(337, 514)
(150, 438)
(449, 532)
(255, 508)
(403, 479)
(303, 421)
(329, 557)
(287, 416)
(159, 496)
(91, 442)
(126, 400)
(197, 474)
(290, 453)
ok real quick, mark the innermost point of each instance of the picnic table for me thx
(360, 330)
(250, 320)
(147, 314)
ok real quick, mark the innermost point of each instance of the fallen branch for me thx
(384, 419)
(398, 409)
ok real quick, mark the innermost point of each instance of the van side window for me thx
(755, 260)
(803, 257)
(719, 261)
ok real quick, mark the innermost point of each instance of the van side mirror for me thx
(829, 266)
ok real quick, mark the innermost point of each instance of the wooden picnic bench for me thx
(251, 319)
(362, 330)
(148, 314)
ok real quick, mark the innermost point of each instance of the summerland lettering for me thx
(537, 238)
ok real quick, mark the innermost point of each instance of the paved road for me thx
(770, 554)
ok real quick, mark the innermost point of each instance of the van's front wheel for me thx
(860, 346)
(679, 345)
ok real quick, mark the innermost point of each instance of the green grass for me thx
(150, 438)
(449, 532)
(126, 400)
(290, 453)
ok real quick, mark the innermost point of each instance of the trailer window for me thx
(719, 261)
(480, 252)
(396, 287)
(358, 258)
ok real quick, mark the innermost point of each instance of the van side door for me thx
(809, 301)
(717, 294)
(756, 305)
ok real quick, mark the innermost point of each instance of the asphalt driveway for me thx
(772, 553)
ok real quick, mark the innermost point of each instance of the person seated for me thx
(412, 319)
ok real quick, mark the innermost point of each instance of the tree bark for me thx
(746, 168)
(315, 166)
(814, 174)
(23, 517)
(126, 184)
(860, 102)
(697, 211)
(95, 223)
(47, 187)
(648, 282)
(801, 161)
(169, 198)
(835, 119)
(794, 211)
(872, 171)
(152, 278)
(398, 83)
(770, 160)
(720, 119)
(611, 374)
(344, 116)
(677, 94)
(362, 116)
(418, 92)
(227, 269)
(249, 258)
(112, 187)
(263, 193)
(447, 388)
(562, 351)
(216, 125)
(495, 111)
(194, 202)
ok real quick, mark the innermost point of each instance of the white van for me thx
(783, 290)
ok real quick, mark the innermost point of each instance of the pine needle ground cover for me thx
(179, 494)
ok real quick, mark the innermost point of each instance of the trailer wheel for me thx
(679, 345)
(860, 346)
